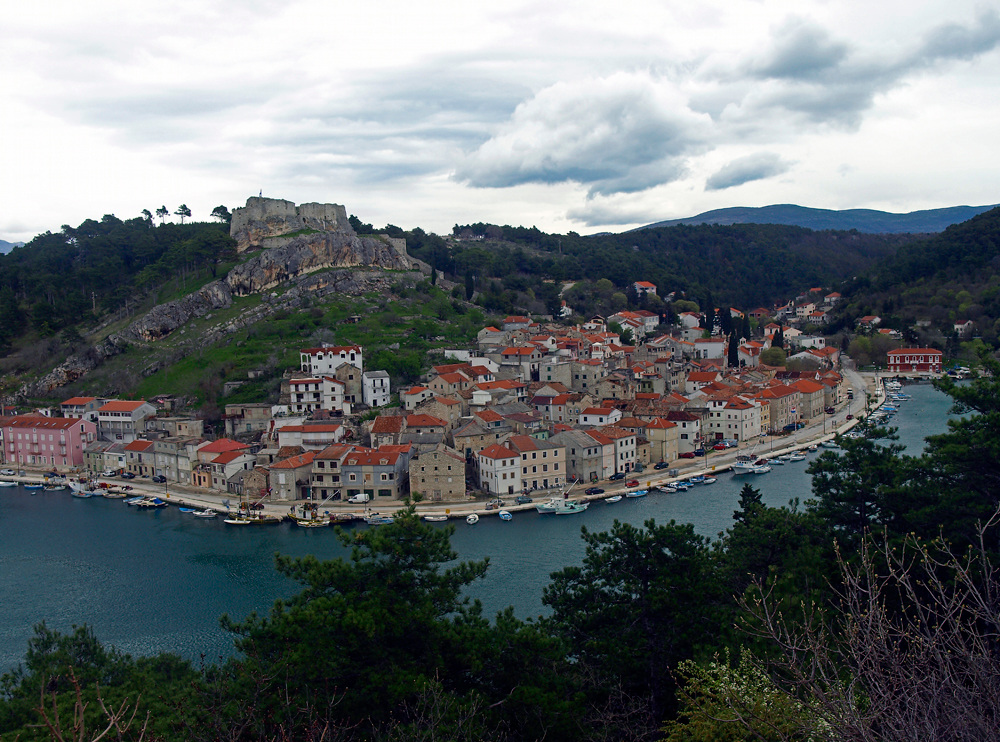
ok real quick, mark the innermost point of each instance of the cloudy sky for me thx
(581, 115)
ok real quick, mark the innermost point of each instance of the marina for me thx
(158, 579)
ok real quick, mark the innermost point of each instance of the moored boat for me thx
(505, 515)
(32, 486)
(637, 493)
(613, 498)
(206, 513)
(435, 518)
(8, 484)
(472, 519)
(710, 480)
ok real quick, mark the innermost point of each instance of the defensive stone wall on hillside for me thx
(263, 219)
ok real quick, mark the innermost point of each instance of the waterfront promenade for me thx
(867, 386)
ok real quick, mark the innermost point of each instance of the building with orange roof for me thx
(382, 474)
(291, 478)
(140, 458)
(543, 462)
(499, 470)
(414, 396)
(34, 440)
(123, 420)
(325, 360)
(84, 408)
(915, 360)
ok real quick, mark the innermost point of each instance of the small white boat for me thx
(763, 469)
(435, 518)
(796, 456)
(613, 498)
(8, 484)
(813, 447)
(710, 480)
(668, 488)
(505, 515)
(375, 519)
(777, 460)
(82, 494)
(472, 519)
(134, 500)
(206, 513)
(637, 493)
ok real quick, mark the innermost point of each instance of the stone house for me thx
(438, 475)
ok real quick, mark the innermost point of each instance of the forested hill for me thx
(949, 278)
(740, 265)
(872, 221)
(73, 277)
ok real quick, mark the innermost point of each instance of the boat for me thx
(762, 469)
(134, 500)
(253, 519)
(54, 487)
(637, 493)
(82, 494)
(681, 486)
(472, 519)
(796, 456)
(829, 444)
(505, 515)
(375, 519)
(435, 518)
(710, 480)
(206, 513)
(8, 484)
(148, 503)
(312, 522)
(187, 510)
(33, 486)
(613, 498)
(697, 479)
(560, 505)
(744, 463)
(777, 460)
(813, 447)
(668, 488)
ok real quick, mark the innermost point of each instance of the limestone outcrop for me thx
(312, 252)
(163, 319)
(263, 219)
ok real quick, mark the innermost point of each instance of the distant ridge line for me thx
(926, 221)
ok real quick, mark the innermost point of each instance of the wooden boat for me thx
(54, 487)
(82, 494)
(313, 522)
(505, 515)
(253, 519)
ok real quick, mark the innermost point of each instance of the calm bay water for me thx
(152, 581)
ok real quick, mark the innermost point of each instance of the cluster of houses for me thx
(530, 408)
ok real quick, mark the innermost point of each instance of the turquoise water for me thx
(158, 580)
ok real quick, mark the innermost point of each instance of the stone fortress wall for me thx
(263, 219)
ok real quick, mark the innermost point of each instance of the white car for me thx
(358, 498)
(7, 472)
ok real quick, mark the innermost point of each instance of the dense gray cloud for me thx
(747, 169)
(801, 51)
(619, 134)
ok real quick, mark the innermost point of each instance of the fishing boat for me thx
(33, 486)
(613, 498)
(313, 522)
(561, 506)
(744, 463)
(206, 513)
(376, 519)
(637, 493)
(435, 518)
(472, 519)
(82, 494)
(253, 519)
(149, 503)
(505, 515)
(54, 487)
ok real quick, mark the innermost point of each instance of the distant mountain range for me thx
(6, 247)
(864, 220)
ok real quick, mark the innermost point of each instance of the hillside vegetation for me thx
(949, 278)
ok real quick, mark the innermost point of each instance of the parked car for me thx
(495, 503)
(127, 475)
(616, 476)
(661, 465)
(594, 491)
(687, 455)
(830, 411)
(109, 472)
(850, 417)
(361, 497)
(699, 452)
(720, 447)
(632, 483)
(7, 472)
(523, 499)
(159, 478)
(793, 426)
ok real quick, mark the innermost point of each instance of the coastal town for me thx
(534, 409)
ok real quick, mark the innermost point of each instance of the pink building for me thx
(33, 440)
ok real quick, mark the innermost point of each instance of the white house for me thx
(375, 388)
(311, 393)
(600, 416)
(499, 470)
(328, 358)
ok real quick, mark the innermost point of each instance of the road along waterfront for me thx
(158, 580)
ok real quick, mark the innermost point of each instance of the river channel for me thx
(152, 581)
